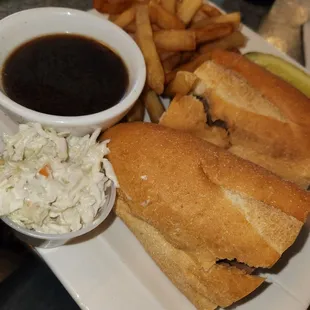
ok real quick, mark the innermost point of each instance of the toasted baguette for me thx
(253, 121)
(257, 108)
(191, 203)
(290, 101)
(187, 113)
(200, 285)
(296, 171)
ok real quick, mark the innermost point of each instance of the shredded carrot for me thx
(45, 171)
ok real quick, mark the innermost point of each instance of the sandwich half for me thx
(206, 216)
(266, 119)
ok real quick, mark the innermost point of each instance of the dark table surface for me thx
(11, 6)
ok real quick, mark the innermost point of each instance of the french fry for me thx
(200, 15)
(163, 18)
(186, 57)
(169, 5)
(187, 9)
(233, 18)
(210, 10)
(125, 18)
(136, 113)
(212, 32)
(144, 37)
(155, 27)
(178, 4)
(189, 67)
(112, 17)
(175, 37)
(235, 50)
(112, 6)
(153, 105)
(182, 84)
(96, 4)
(234, 40)
(133, 36)
(163, 55)
(170, 63)
(142, 1)
(175, 40)
(131, 27)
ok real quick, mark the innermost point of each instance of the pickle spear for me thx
(283, 69)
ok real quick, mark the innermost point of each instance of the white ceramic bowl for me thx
(26, 25)
(47, 241)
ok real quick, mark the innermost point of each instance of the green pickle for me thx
(283, 69)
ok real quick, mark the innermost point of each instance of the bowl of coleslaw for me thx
(47, 241)
(54, 186)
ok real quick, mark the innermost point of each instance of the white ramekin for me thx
(46, 241)
(26, 25)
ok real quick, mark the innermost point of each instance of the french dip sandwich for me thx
(262, 118)
(207, 217)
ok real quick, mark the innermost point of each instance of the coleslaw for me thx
(53, 182)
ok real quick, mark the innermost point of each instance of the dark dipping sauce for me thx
(65, 75)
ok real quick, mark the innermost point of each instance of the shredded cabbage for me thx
(53, 182)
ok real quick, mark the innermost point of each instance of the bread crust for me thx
(253, 121)
(221, 167)
(191, 203)
(187, 113)
(263, 127)
(145, 149)
(296, 171)
(205, 288)
(290, 101)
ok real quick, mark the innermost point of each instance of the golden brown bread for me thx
(290, 101)
(257, 108)
(228, 284)
(191, 203)
(296, 171)
(252, 120)
(187, 113)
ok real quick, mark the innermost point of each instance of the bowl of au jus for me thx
(67, 69)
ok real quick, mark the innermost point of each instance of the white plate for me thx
(109, 269)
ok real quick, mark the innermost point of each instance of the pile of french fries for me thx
(175, 37)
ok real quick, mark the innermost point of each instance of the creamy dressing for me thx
(53, 182)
